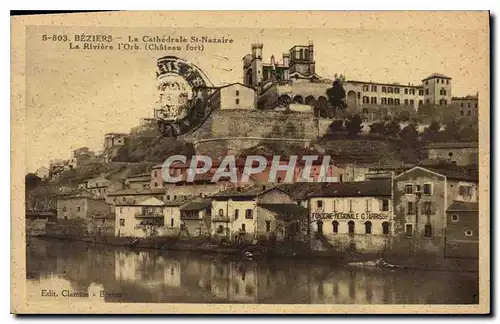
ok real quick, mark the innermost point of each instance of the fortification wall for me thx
(230, 131)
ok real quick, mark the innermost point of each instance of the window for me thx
(427, 188)
(396, 90)
(447, 81)
(365, 111)
(237, 92)
(410, 208)
(396, 102)
(156, 184)
(335, 203)
(351, 227)
(442, 92)
(123, 198)
(249, 214)
(268, 226)
(64, 208)
(428, 208)
(236, 214)
(390, 90)
(221, 212)
(243, 228)
(365, 88)
(385, 204)
(319, 204)
(468, 233)
(409, 189)
(428, 230)
(412, 102)
(77, 209)
(465, 190)
(455, 218)
(384, 101)
(335, 226)
(374, 100)
(359, 95)
(406, 102)
(175, 197)
(350, 205)
(374, 88)
(426, 91)
(368, 227)
(420, 102)
(385, 228)
(366, 99)
(412, 91)
(420, 92)
(122, 222)
(390, 101)
(384, 89)
(406, 91)
(426, 82)
(171, 222)
(368, 205)
(220, 229)
(237, 101)
(409, 229)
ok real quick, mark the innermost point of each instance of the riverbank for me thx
(429, 263)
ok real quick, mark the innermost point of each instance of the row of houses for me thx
(411, 210)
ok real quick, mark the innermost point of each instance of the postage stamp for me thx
(251, 162)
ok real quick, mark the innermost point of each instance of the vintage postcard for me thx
(251, 162)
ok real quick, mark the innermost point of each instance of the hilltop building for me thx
(294, 81)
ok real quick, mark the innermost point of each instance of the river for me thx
(71, 270)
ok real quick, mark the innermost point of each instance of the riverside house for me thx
(245, 214)
(352, 216)
(422, 197)
(142, 219)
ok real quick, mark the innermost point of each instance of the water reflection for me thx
(109, 274)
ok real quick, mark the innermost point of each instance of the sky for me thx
(74, 97)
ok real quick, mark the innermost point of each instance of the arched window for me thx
(428, 230)
(301, 54)
(351, 227)
(335, 226)
(368, 227)
(385, 228)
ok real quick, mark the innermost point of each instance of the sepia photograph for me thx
(236, 163)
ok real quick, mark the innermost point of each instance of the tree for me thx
(409, 134)
(336, 95)
(336, 126)
(31, 181)
(378, 128)
(392, 129)
(431, 133)
(354, 126)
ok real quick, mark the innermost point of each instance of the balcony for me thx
(220, 218)
(148, 214)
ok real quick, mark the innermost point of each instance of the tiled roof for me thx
(300, 190)
(196, 205)
(178, 201)
(252, 191)
(372, 188)
(437, 75)
(463, 206)
(454, 172)
(141, 191)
